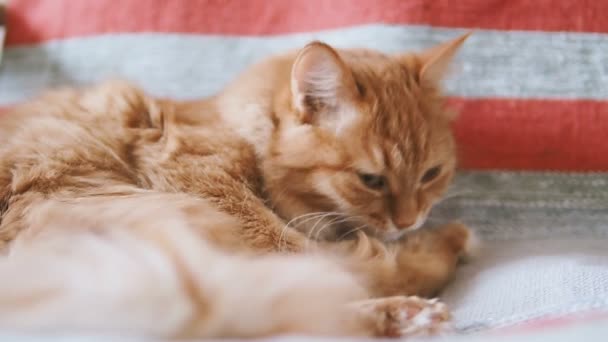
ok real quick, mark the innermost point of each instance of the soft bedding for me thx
(533, 125)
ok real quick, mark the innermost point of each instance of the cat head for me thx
(363, 139)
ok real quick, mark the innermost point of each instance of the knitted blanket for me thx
(532, 92)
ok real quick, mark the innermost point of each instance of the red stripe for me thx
(555, 321)
(33, 21)
(533, 134)
(540, 135)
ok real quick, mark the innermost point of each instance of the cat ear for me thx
(319, 80)
(437, 60)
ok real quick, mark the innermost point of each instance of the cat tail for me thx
(163, 280)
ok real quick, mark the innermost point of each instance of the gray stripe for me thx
(493, 63)
(513, 206)
(545, 246)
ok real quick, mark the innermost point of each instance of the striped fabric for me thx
(2, 26)
(532, 91)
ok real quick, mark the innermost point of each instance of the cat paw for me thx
(402, 316)
(461, 239)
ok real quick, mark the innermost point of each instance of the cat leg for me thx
(420, 264)
(427, 259)
(402, 316)
(260, 227)
(229, 183)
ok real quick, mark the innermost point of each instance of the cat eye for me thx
(376, 182)
(431, 174)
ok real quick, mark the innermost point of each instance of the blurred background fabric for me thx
(531, 87)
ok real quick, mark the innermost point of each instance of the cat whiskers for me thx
(454, 195)
(432, 222)
(354, 230)
(323, 227)
(345, 218)
(287, 225)
(308, 217)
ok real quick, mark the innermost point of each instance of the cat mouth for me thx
(393, 233)
(389, 234)
(418, 224)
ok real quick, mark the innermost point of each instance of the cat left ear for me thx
(437, 60)
(319, 80)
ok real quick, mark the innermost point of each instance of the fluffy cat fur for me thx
(274, 207)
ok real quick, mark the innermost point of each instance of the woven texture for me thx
(530, 88)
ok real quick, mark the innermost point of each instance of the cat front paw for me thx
(406, 316)
(461, 239)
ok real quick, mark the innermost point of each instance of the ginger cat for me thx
(122, 213)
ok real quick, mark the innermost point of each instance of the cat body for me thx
(174, 219)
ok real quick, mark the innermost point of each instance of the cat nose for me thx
(405, 223)
(405, 214)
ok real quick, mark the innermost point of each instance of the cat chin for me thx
(393, 236)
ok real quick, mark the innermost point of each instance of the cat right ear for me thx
(319, 79)
(436, 61)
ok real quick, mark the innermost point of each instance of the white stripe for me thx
(493, 63)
